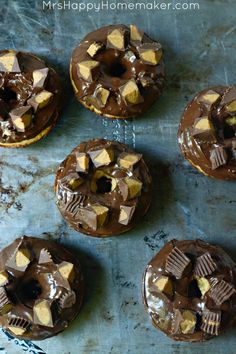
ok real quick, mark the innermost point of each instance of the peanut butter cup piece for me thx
(221, 292)
(116, 39)
(175, 324)
(94, 48)
(89, 69)
(67, 271)
(82, 161)
(43, 313)
(21, 118)
(177, 263)
(5, 302)
(21, 259)
(45, 256)
(130, 188)
(164, 284)
(101, 157)
(95, 216)
(130, 93)
(39, 77)
(188, 323)
(209, 98)
(204, 265)
(9, 62)
(126, 214)
(211, 322)
(218, 157)
(136, 35)
(72, 181)
(67, 300)
(18, 325)
(71, 203)
(150, 53)
(4, 278)
(204, 285)
(203, 130)
(128, 161)
(99, 98)
(40, 100)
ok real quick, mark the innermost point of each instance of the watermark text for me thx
(105, 5)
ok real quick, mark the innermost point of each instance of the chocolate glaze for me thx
(111, 199)
(15, 90)
(113, 60)
(161, 307)
(39, 281)
(198, 152)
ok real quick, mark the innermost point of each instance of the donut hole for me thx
(104, 185)
(8, 95)
(199, 322)
(193, 289)
(29, 290)
(228, 131)
(115, 68)
(33, 289)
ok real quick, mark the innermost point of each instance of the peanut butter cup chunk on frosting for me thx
(189, 290)
(117, 71)
(30, 98)
(103, 188)
(207, 132)
(41, 288)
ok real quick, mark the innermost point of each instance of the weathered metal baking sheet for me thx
(200, 50)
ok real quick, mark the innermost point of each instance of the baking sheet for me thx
(200, 50)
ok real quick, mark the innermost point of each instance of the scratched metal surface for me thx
(200, 50)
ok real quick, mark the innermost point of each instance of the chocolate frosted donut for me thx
(207, 132)
(189, 290)
(30, 95)
(117, 71)
(41, 288)
(103, 188)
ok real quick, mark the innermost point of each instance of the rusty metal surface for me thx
(200, 50)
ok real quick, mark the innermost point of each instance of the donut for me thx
(207, 132)
(103, 188)
(189, 290)
(117, 71)
(30, 95)
(41, 288)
